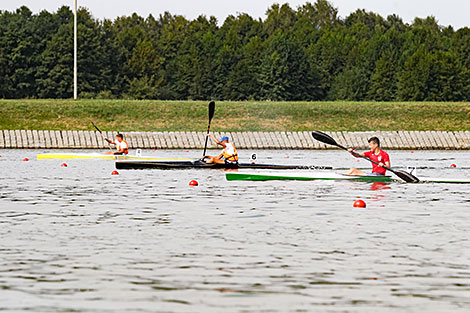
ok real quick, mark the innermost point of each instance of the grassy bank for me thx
(125, 115)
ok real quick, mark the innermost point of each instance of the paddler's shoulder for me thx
(384, 153)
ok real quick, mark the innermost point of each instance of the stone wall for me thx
(425, 140)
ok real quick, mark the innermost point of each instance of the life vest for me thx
(125, 150)
(230, 157)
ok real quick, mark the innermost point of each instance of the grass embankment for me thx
(125, 115)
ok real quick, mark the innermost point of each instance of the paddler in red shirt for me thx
(375, 154)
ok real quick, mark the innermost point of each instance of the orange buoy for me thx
(26, 159)
(64, 165)
(359, 204)
(193, 183)
(453, 165)
(115, 173)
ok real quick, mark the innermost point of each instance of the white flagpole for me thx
(75, 52)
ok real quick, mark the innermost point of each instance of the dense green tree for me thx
(303, 53)
(447, 79)
(286, 73)
(384, 78)
(279, 17)
(194, 61)
(413, 81)
(241, 82)
(55, 74)
(18, 50)
(351, 84)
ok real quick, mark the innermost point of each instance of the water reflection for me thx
(380, 186)
(78, 239)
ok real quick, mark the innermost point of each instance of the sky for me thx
(447, 12)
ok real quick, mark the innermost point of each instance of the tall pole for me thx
(75, 52)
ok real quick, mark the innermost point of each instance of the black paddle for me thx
(325, 138)
(99, 130)
(211, 115)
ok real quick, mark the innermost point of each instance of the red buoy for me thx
(64, 165)
(412, 151)
(26, 159)
(359, 204)
(453, 165)
(154, 149)
(115, 173)
(193, 183)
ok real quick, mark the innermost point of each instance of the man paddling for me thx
(229, 154)
(375, 154)
(121, 145)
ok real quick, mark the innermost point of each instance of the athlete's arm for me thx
(217, 141)
(213, 138)
(355, 153)
(111, 142)
(121, 150)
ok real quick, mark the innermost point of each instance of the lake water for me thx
(78, 239)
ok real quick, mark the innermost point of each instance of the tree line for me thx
(308, 53)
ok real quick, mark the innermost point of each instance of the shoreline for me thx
(390, 140)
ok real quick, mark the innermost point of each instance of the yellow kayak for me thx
(68, 156)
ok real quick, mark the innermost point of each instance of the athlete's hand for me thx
(381, 164)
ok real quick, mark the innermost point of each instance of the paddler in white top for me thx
(121, 145)
(229, 154)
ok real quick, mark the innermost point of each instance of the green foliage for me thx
(303, 53)
(147, 115)
(286, 72)
(384, 79)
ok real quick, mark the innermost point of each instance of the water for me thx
(78, 239)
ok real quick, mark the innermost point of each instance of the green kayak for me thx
(306, 176)
(311, 175)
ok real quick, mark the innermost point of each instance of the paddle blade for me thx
(211, 110)
(325, 138)
(407, 177)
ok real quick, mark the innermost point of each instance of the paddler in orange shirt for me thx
(228, 156)
(121, 145)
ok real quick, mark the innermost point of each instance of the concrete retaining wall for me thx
(48, 139)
